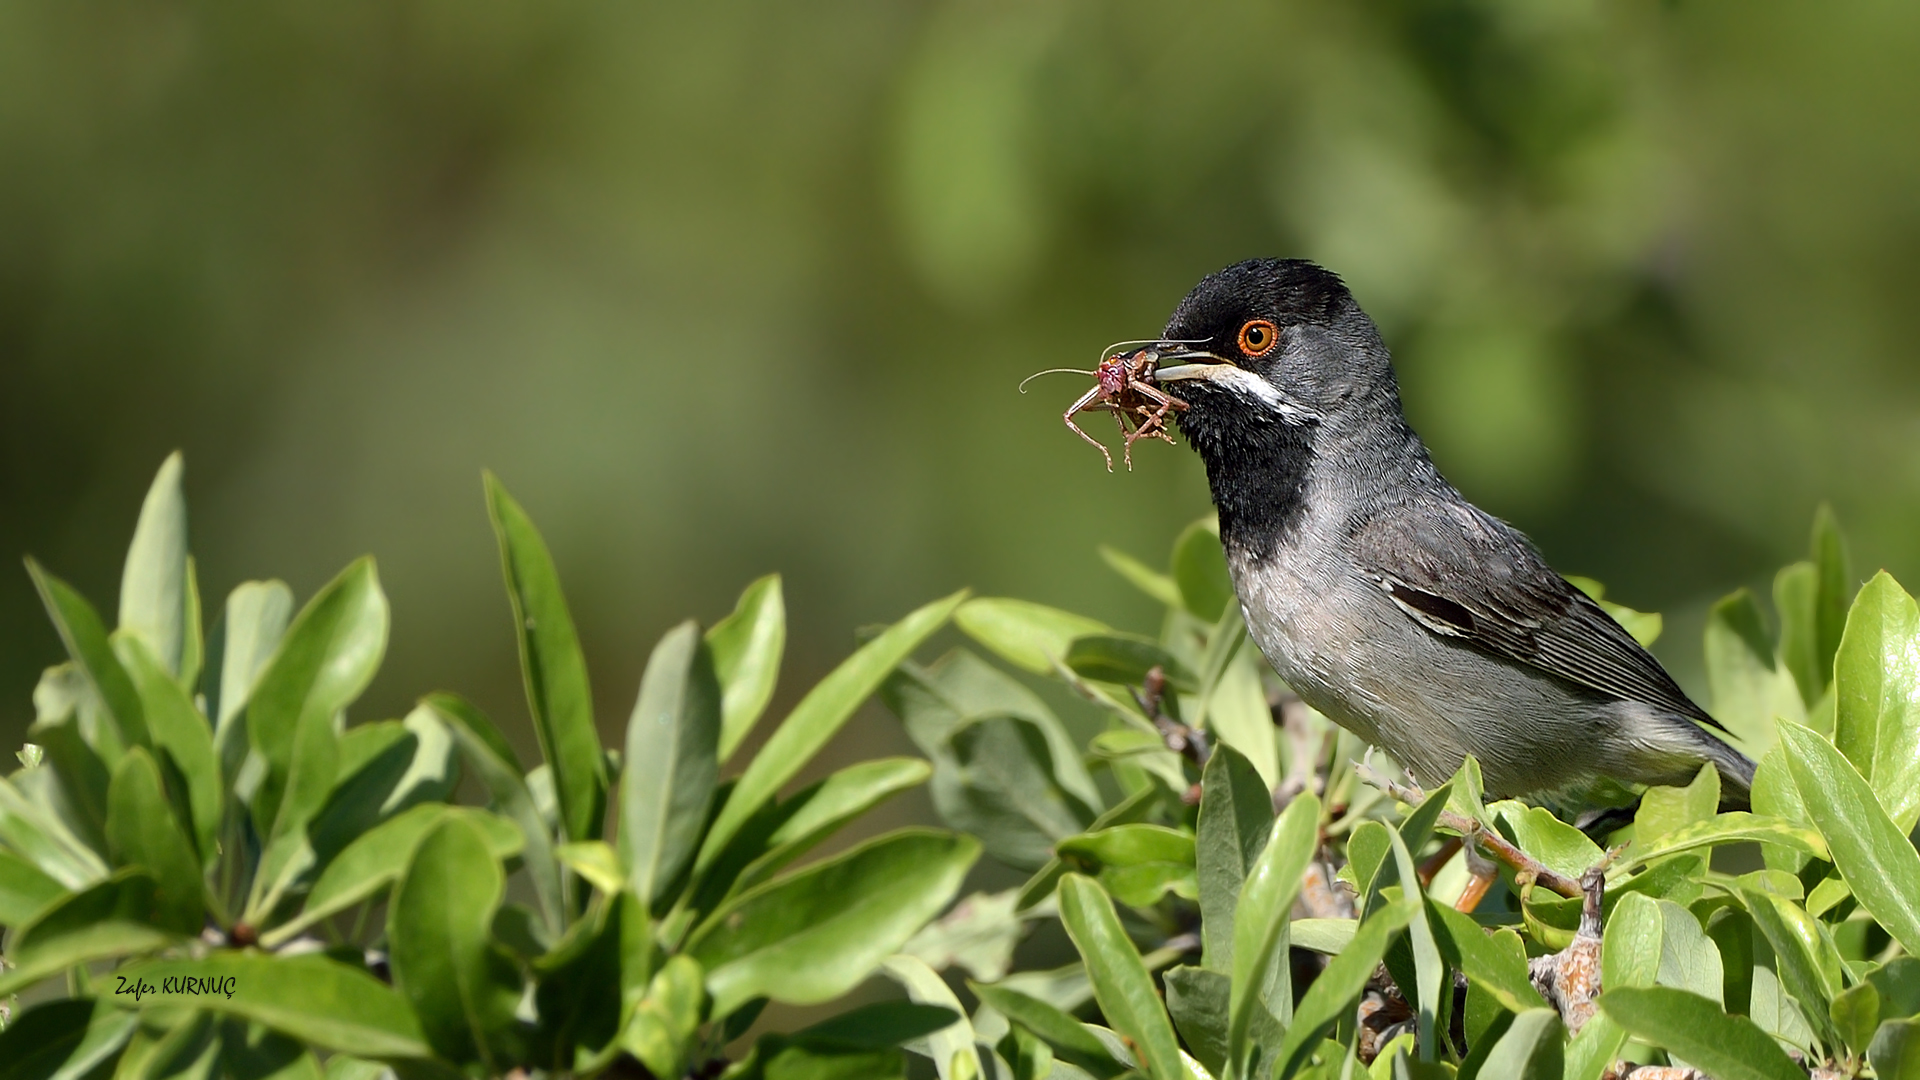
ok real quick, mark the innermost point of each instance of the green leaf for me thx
(1531, 1049)
(85, 638)
(1837, 585)
(1126, 659)
(664, 1023)
(1554, 842)
(325, 660)
(494, 763)
(1877, 696)
(153, 584)
(596, 861)
(64, 1040)
(1132, 845)
(1428, 967)
(1025, 634)
(383, 768)
(1134, 808)
(746, 647)
(1735, 826)
(79, 798)
(24, 889)
(461, 986)
(818, 716)
(1694, 1028)
(813, 935)
(1005, 769)
(1121, 983)
(1260, 920)
(1332, 995)
(1749, 690)
(1236, 816)
(588, 982)
(1224, 640)
(1807, 963)
(1796, 597)
(1200, 1001)
(1028, 1057)
(111, 919)
(247, 1054)
(365, 868)
(43, 840)
(183, 736)
(1200, 569)
(256, 620)
(823, 807)
(1141, 576)
(1898, 981)
(555, 672)
(1855, 1014)
(1689, 960)
(193, 650)
(1634, 942)
(778, 1058)
(881, 1024)
(1237, 714)
(1324, 936)
(1775, 796)
(1872, 853)
(979, 934)
(672, 762)
(142, 830)
(1069, 1038)
(1467, 947)
(319, 1001)
(1367, 851)
(1895, 1051)
(1666, 809)
(951, 1047)
(403, 765)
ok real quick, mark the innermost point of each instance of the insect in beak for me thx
(1124, 386)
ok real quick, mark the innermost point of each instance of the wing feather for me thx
(1461, 572)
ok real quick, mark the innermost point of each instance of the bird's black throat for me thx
(1257, 467)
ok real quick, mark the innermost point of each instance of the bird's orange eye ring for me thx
(1258, 337)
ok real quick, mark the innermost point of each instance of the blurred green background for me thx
(724, 288)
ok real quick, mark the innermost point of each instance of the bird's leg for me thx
(1086, 400)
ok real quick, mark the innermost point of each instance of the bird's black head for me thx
(1278, 365)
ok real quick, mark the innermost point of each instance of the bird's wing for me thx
(1463, 573)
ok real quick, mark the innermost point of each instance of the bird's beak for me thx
(1203, 365)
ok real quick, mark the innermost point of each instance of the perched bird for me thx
(1385, 599)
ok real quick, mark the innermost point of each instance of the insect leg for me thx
(1085, 401)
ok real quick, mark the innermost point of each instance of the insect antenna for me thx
(1054, 371)
(1118, 345)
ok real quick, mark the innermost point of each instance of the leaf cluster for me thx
(1250, 893)
(207, 871)
(1250, 903)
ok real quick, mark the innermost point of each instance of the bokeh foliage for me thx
(734, 287)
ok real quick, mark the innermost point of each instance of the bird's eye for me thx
(1257, 337)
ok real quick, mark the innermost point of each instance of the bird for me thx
(1387, 601)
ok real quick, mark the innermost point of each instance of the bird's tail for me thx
(1736, 772)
